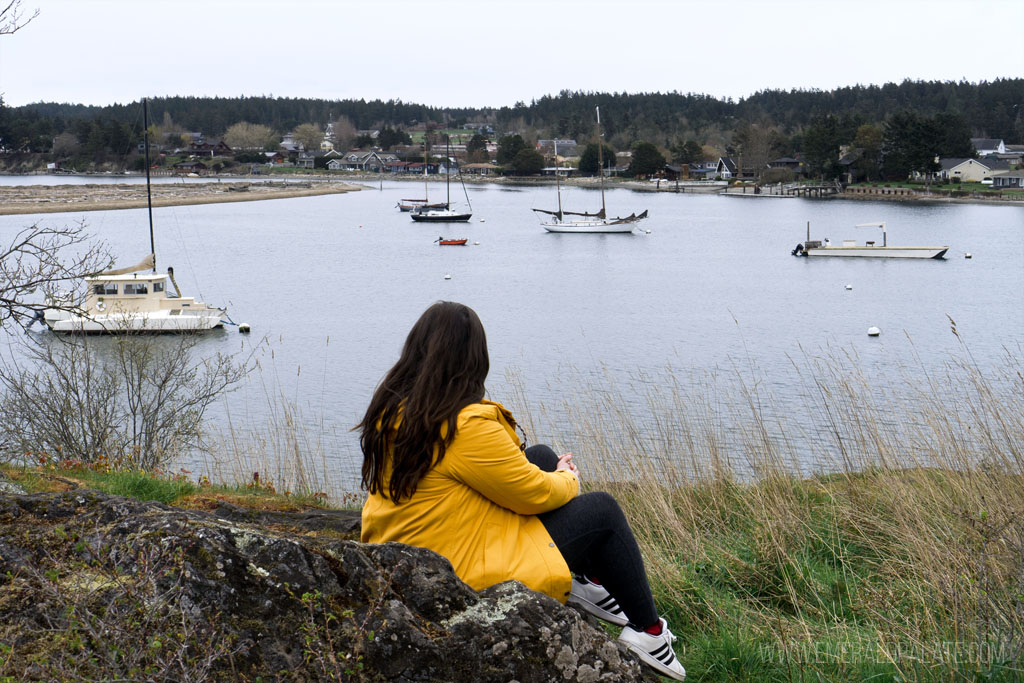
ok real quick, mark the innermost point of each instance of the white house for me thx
(970, 170)
(358, 160)
(986, 146)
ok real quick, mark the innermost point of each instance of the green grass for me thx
(164, 489)
(809, 580)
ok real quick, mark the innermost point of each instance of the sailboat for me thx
(417, 204)
(445, 214)
(130, 300)
(588, 222)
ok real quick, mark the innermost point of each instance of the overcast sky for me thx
(483, 53)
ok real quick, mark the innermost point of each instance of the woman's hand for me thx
(565, 463)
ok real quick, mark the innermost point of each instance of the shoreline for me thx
(32, 199)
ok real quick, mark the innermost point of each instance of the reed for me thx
(879, 533)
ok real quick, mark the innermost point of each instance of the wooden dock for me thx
(818, 191)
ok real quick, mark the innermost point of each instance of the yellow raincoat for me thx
(478, 508)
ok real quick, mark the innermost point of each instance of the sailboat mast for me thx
(558, 182)
(447, 173)
(426, 157)
(600, 159)
(149, 195)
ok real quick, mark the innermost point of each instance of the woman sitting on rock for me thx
(445, 470)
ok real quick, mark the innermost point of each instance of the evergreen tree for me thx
(509, 147)
(688, 152)
(476, 148)
(647, 160)
(910, 144)
(528, 162)
(588, 160)
(821, 147)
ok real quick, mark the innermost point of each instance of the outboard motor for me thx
(798, 250)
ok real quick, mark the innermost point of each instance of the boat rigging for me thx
(128, 300)
(588, 222)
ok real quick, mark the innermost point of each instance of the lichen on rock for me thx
(97, 587)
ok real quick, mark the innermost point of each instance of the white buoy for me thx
(243, 328)
(874, 331)
(967, 254)
(849, 287)
(477, 244)
(447, 276)
(483, 220)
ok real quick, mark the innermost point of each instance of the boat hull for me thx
(880, 252)
(417, 206)
(588, 227)
(120, 323)
(440, 217)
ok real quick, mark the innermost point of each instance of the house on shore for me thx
(364, 160)
(564, 148)
(986, 146)
(1009, 180)
(196, 167)
(481, 169)
(970, 170)
(210, 149)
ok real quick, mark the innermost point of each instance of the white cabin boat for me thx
(866, 250)
(129, 300)
(118, 302)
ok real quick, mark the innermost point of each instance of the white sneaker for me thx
(595, 599)
(655, 651)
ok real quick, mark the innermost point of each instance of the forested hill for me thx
(991, 109)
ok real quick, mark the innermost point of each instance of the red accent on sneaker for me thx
(654, 629)
(592, 580)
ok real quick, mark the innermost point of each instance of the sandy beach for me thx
(28, 199)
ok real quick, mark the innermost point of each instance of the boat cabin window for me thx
(158, 286)
(105, 289)
(135, 288)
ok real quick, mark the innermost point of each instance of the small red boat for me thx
(450, 242)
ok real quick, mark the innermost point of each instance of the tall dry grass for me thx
(878, 532)
(875, 532)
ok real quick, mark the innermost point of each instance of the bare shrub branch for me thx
(12, 17)
(35, 267)
(135, 399)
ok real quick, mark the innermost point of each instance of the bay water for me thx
(705, 287)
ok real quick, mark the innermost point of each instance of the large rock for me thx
(100, 587)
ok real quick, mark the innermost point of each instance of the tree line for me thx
(685, 127)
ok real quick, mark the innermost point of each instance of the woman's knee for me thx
(542, 456)
(603, 505)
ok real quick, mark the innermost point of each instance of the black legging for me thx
(595, 539)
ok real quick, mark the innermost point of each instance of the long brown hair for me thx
(441, 370)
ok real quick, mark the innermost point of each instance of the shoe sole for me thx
(650, 660)
(599, 611)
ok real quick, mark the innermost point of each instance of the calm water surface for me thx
(335, 282)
